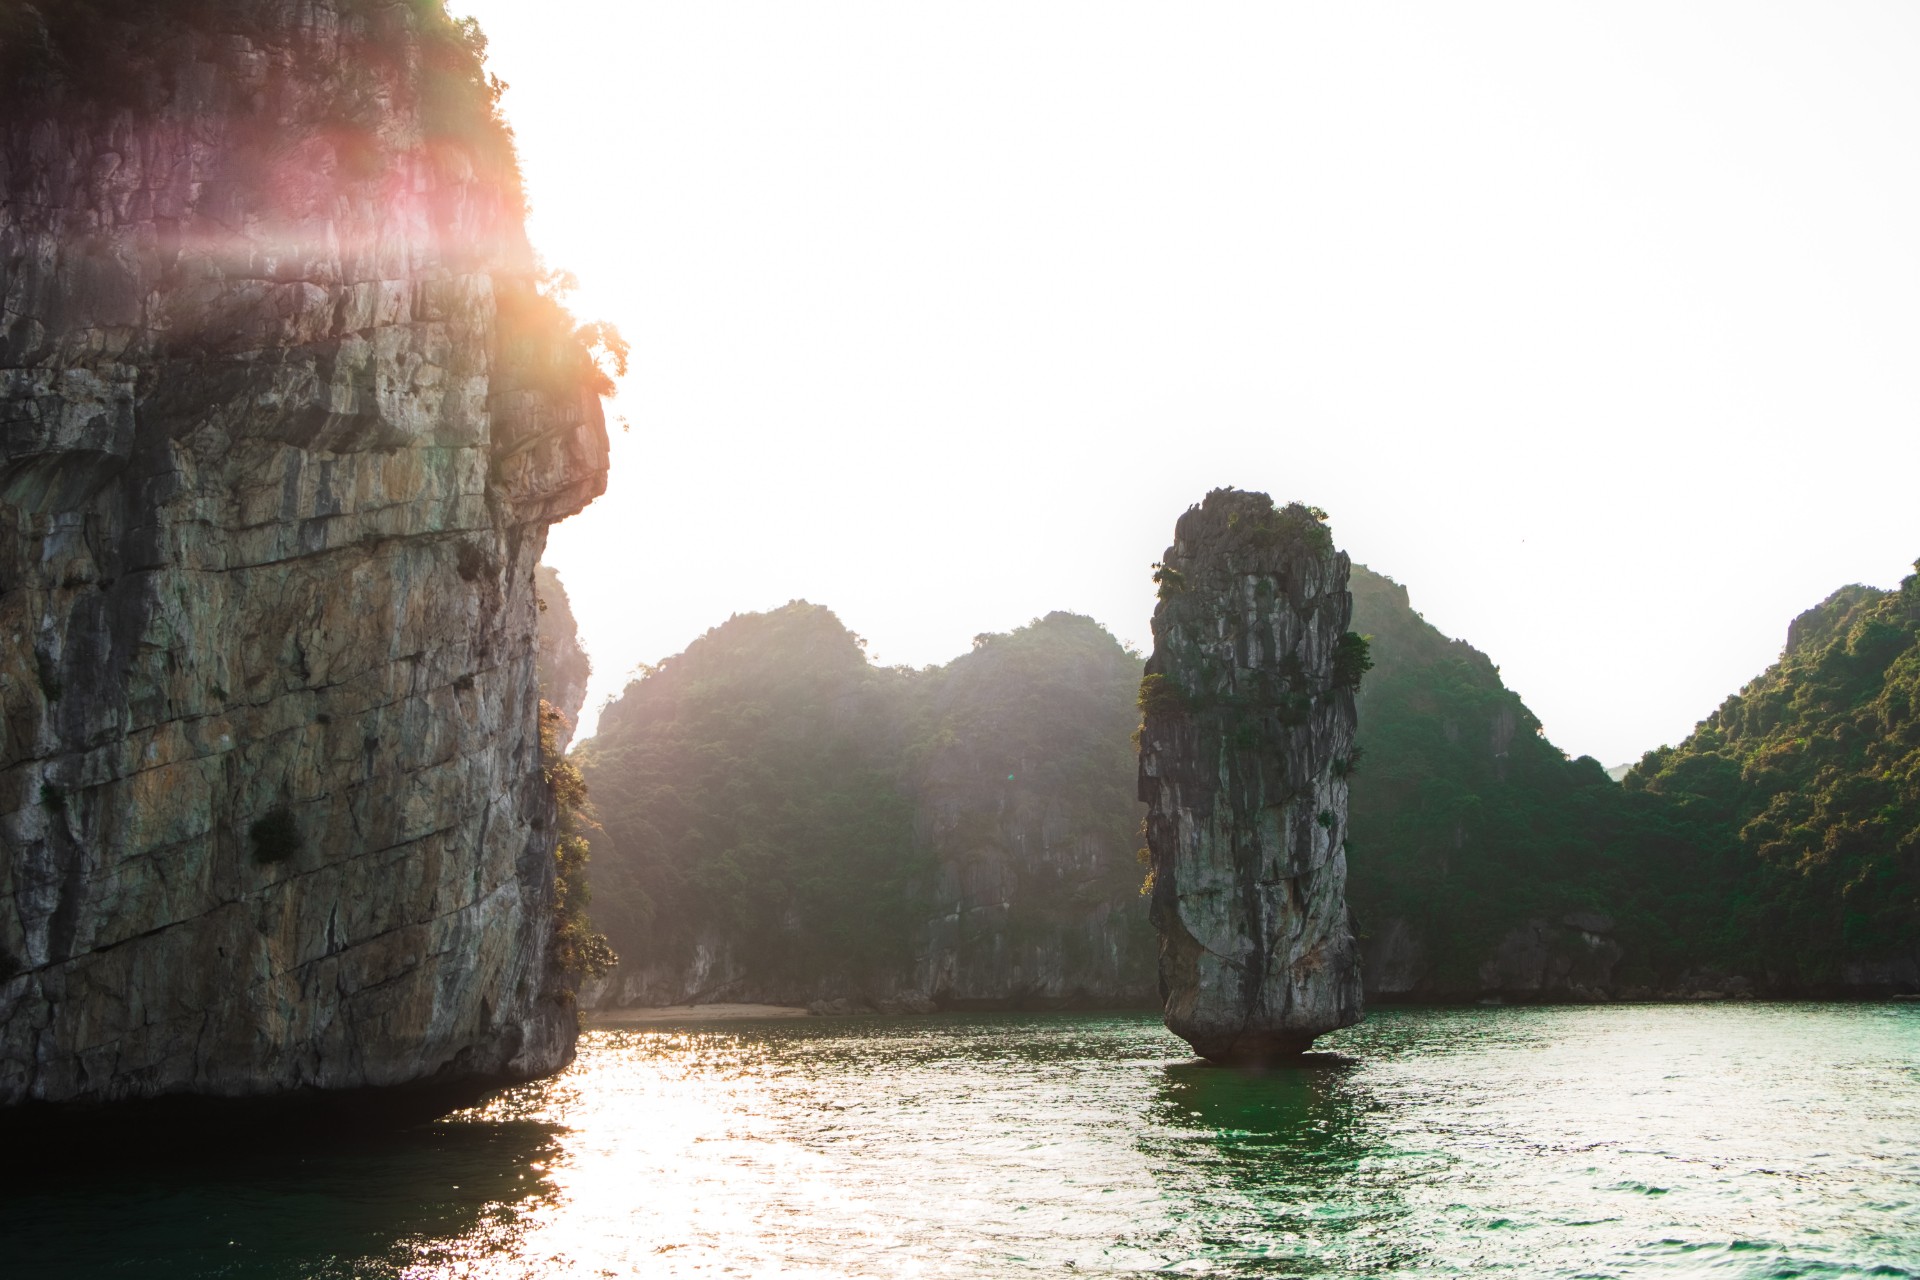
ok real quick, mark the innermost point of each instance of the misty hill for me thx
(784, 821)
(750, 807)
(1806, 787)
(1482, 858)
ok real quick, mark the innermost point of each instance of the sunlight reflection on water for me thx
(1756, 1140)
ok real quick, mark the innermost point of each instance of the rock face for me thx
(1247, 740)
(285, 422)
(563, 666)
(1570, 958)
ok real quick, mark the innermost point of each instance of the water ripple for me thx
(1725, 1141)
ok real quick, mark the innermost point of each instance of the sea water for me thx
(1731, 1140)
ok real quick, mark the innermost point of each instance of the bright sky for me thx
(1597, 325)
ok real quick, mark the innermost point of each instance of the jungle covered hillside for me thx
(1482, 858)
(782, 819)
(1810, 775)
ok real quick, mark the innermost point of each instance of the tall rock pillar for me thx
(1247, 741)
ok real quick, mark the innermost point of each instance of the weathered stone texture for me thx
(284, 424)
(1248, 734)
(1037, 900)
(563, 665)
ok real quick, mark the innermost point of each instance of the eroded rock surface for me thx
(563, 666)
(1246, 744)
(285, 422)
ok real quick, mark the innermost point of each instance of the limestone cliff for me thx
(1476, 867)
(1247, 739)
(285, 422)
(562, 666)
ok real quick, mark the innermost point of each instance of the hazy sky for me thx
(1597, 325)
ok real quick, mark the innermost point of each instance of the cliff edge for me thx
(283, 421)
(1246, 744)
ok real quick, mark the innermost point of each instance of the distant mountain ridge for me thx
(784, 821)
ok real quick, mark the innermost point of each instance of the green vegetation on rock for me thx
(812, 824)
(561, 666)
(1807, 782)
(772, 792)
(748, 791)
(1468, 824)
(579, 950)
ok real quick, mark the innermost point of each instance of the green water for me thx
(1730, 1140)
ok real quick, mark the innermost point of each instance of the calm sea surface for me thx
(1726, 1140)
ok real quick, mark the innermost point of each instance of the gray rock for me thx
(282, 427)
(1395, 959)
(1249, 726)
(1888, 974)
(563, 667)
(1539, 959)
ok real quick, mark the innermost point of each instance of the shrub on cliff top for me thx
(1257, 515)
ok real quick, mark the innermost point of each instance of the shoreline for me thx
(724, 1011)
(648, 1015)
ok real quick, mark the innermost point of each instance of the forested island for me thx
(782, 820)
